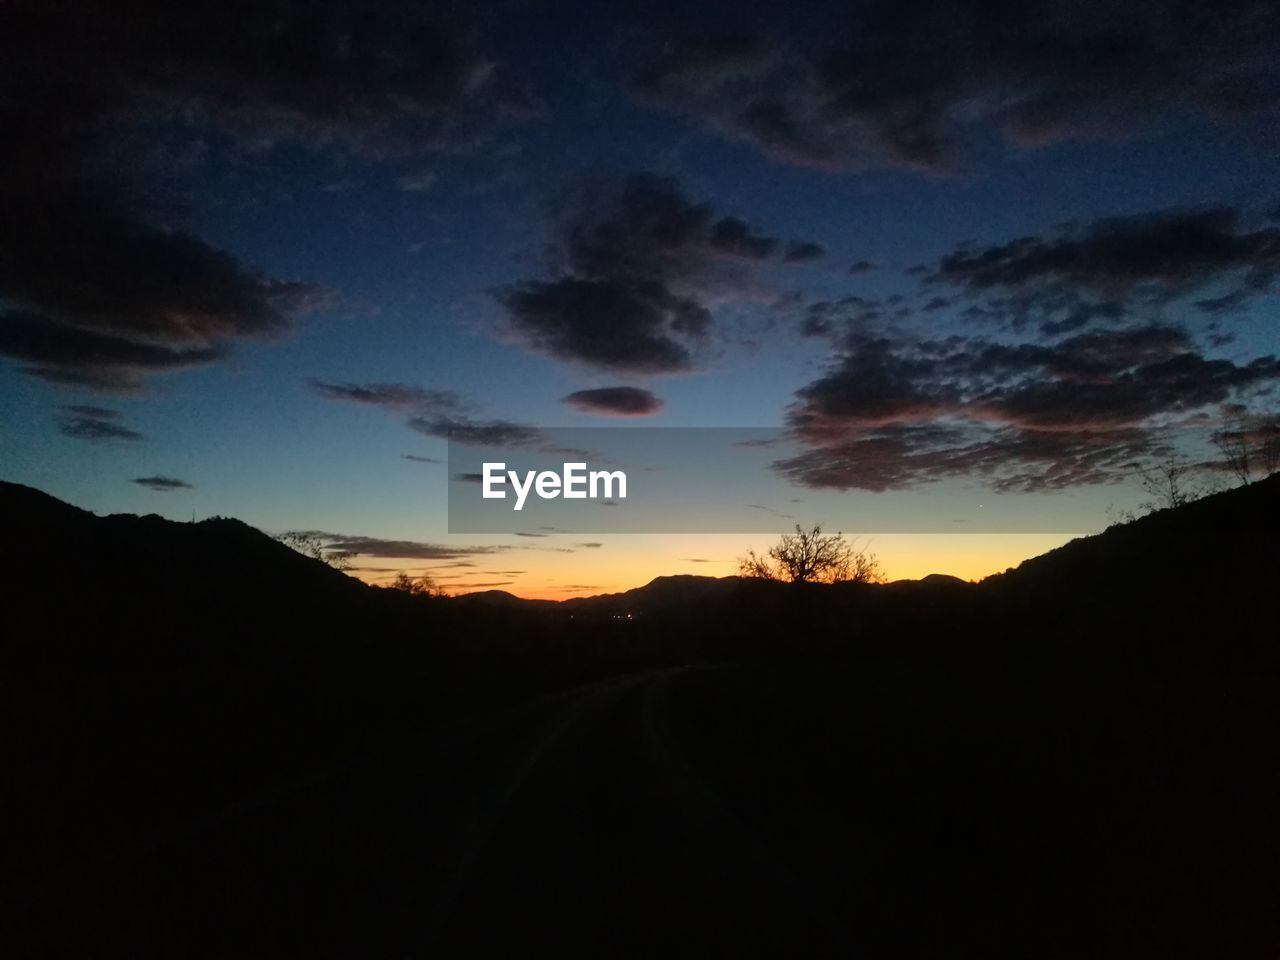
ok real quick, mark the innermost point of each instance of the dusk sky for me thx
(258, 259)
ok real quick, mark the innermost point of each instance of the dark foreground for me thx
(259, 758)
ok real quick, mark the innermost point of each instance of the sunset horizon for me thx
(640, 480)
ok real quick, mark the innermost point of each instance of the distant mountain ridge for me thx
(65, 539)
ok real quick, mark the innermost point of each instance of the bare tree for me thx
(1250, 446)
(1170, 483)
(1236, 449)
(309, 545)
(420, 586)
(811, 556)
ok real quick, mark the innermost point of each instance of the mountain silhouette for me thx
(218, 746)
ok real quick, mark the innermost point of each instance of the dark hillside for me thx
(1074, 758)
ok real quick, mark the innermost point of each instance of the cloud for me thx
(898, 412)
(97, 297)
(94, 423)
(1114, 269)
(389, 396)
(834, 318)
(1103, 386)
(915, 85)
(611, 324)
(1157, 254)
(376, 79)
(162, 484)
(765, 509)
(417, 182)
(487, 433)
(415, 458)
(100, 292)
(615, 402)
(799, 251)
(1093, 379)
(901, 456)
(589, 546)
(434, 413)
(399, 549)
(732, 236)
(634, 262)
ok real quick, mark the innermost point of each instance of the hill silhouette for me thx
(221, 747)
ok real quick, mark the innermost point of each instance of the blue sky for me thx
(440, 221)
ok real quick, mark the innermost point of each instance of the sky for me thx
(261, 259)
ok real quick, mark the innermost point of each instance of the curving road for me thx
(574, 822)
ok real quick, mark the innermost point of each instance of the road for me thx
(576, 822)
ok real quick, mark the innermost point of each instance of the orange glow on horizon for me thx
(623, 562)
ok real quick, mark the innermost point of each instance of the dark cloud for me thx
(615, 402)
(765, 509)
(634, 260)
(94, 423)
(614, 324)
(1232, 302)
(1093, 379)
(469, 477)
(799, 251)
(415, 458)
(162, 484)
(588, 546)
(1162, 254)
(836, 318)
(897, 412)
(1113, 269)
(732, 236)
(96, 295)
(389, 396)
(98, 291)
(434, 413)
(486, 433)
(398, 549)
(376, 78)
(904, 455)
(916, 83)
(62, 353)
(860, 267)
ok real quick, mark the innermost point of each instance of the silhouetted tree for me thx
(1250, 446)
(1170, 483)
(309, 545)
(811, 556)
(421, 586)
